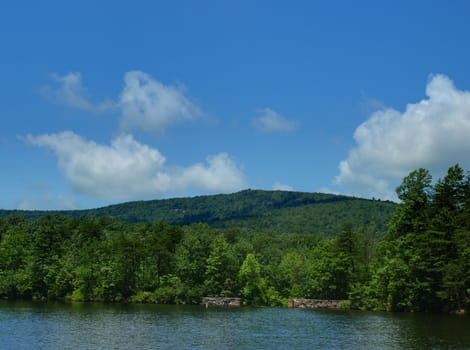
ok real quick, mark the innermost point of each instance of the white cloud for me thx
(270, 121)
(149, 105)
(127, 169)
(282, 187)
(433, 133)
(72, 93)
(144, 103)
(221, 174)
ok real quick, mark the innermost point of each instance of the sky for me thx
(103, 102)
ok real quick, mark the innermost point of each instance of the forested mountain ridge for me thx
(251, 210)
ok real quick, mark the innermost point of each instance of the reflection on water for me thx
(98, 326)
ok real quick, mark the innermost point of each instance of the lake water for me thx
(97, 326)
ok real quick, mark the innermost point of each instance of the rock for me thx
(221, 301)
(314, 304)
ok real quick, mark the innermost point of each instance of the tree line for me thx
(249, 210)
(421, 264)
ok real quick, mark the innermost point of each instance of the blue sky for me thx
(110, 101)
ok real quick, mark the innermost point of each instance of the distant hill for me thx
(250, 210)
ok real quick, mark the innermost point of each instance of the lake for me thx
(62, 326)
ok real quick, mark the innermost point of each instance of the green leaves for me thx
(255, 288)
(221, 267)
(425, 265)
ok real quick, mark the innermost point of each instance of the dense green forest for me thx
(249, 210)
(422, 262)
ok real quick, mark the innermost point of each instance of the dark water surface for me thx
(98, 326)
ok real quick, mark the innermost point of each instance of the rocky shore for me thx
(315, 304)
(221, 302)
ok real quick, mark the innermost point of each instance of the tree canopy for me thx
(421, 264)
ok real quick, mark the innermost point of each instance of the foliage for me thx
(424, 264)
(249, 210)
(244, 248)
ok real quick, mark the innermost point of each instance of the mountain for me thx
(251, 210)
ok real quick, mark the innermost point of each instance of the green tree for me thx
(255, 289)
(221, 267)
(412, 215)
(328, 272)
(292, 275)
(158, 244)
(47, 237)
(445, 259)
(190, 260)
(15, 275)
(86, 257)
(423, 268)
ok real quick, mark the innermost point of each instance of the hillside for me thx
(251, 210)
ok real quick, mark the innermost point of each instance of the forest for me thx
(420, 263)
(248, 210)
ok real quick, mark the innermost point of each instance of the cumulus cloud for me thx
(432, 133)
(220, 174)
(270, 121)
(152, 106)
(127, 169)
(71, 92)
